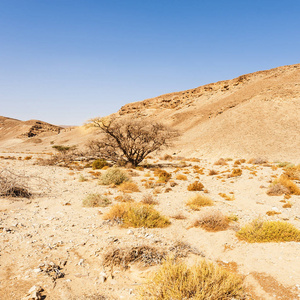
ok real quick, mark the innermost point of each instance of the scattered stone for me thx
(34, 293)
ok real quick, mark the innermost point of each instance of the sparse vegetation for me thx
(212, 221)
(236, 173)
(114, 176)
(130, 140)
(195, 186)
(13, 185)
(181, 177)
(277, 189)
(148, 199)
(99, 164)
(163, 176)
(268, 231)
(95, 200)
(198, 201)
(122, 257)
(283, 185)
(137, 215)
(205, 280)
(221, 162)
(128, 187)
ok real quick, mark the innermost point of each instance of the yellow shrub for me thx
(196, 186)
(137, 215)
(205, 280)
(128, 187)
(268, 231)
(181, 177)
(198, 201)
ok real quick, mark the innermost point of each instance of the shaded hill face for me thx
(253, 115)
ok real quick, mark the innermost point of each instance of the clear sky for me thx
(65, 61)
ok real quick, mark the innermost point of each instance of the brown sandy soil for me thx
(54, 227)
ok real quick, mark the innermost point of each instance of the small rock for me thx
(34, 293)
(103, 277)
(81, 262)
(129, 231)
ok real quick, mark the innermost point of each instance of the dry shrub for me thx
(198, 201)
(122, 257)
(181, 177)
(213, 172)
(95, 200)
(221, 162)
(163, 176)
(128, 187)
(182, 249)
(293, 173)
(268, 231)
(124, 198)
(27, 157)
(289, 184)
(166, 157)
(287, 205)
(179, 216)
(236, 173)
(148, 199)
(137, 215)
(149, 184)
(272, 213)
(212, 221)
(13, 185)
(277, 189)
(114, 176)
(99, 164)
(202, 281)
(195, 186)
(258, 161)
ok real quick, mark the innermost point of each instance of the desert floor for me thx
(52, 228)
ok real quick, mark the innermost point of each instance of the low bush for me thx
(148, 199)
(99, 164)
(213, 172)
(198, 201)
(195, 186)
(137, 215)
(163, 176)
(205, 280)
(212, 221)
(293, 173)
(122, 257)
(277, 189)
(114, 176)
(221, 162)
(268, 231)
(236, 173)
(128, 187)
(284, 181)
(95, 200)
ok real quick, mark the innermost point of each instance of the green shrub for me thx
(95, 200)
(114, 176)
(203, 281)
(99, 164)
(137, 215)
(268, 231)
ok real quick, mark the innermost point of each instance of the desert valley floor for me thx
(52, 240)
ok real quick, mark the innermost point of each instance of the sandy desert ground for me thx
(51, 240)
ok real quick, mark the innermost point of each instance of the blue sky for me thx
(65, 61)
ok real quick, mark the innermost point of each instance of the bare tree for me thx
(130, 140)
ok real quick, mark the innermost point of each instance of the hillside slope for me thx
(256, 114)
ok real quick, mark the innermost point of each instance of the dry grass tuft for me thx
(163, 176)
(277, 189)
(293, 173)
(122, 257)
(128, 187)
(198, 201)
(195, 186)
(99, 164)
(221, 162)
(124, 198)
(258, 161)
(291, 187)
(137, 215)
(114, 176)
(213, 172)
(259, 231)
(148, 199)
(236, 173)
(272, 213)
(179, 216)
(205, 280)
(95, 200)
(212, 221)
(181, 177)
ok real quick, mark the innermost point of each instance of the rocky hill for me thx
(256, 114)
